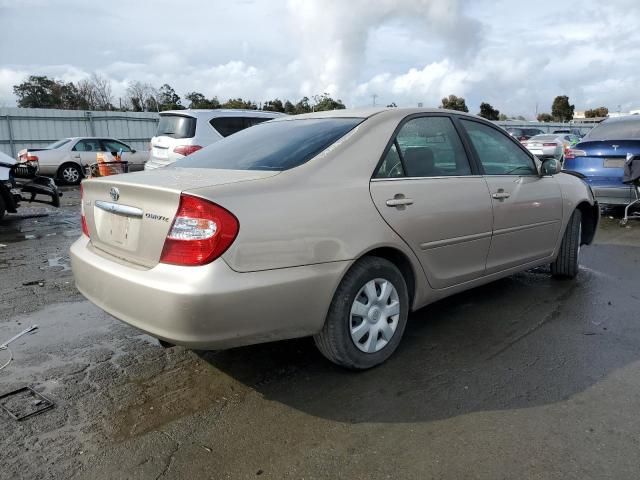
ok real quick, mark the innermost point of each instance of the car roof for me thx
(625, 118)
(371, 111)
(222, 112)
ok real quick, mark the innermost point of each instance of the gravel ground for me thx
(524, 378)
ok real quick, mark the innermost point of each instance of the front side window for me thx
(498, 154)
(426, 147)
(275, 146)
(88, 145)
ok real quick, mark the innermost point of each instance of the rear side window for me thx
(226, 126)
(176, 126)
(427, 147)
(271, 146)
(498, 154)
(621, 130)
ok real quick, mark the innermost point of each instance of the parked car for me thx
(68, 158)
(547, 146)
(182, 132)
(332, 224)
(600, 157)
(20, 182)
(523, 134)
(572, 131)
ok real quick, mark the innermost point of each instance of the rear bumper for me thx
(208, 307)
(154, 163)
(614, 195)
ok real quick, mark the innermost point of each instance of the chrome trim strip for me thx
(124, 210)
(454, 240)
(518, 228)
(395, 179)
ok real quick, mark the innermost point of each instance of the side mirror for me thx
(133, 151)
(550, 166)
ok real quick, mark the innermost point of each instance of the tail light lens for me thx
(573, 153)
(186, 149)
(200, 233)
(83, 219)
(549, 144)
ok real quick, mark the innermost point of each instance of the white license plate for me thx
(119, 229)
(613, 163)
(536, 152)
(160, 152)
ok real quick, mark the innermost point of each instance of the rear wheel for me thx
(367, 316)
(566, 263)
(3, 207)
(70, 173)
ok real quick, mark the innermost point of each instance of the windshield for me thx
(622, 130)
(176, 126)
(58, 144)
(271, 146)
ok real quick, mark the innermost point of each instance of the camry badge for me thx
(115, 194)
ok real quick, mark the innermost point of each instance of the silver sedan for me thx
(547, 146)
(332, 224)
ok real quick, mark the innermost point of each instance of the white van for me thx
(182, 132)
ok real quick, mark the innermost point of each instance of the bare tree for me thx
(102, 91)
(141, 97)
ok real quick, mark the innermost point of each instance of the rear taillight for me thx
(200, 233)
(549, 144)
(83, 219)
(186, 149)
(573, 153)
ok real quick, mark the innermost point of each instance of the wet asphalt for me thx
(527, 377)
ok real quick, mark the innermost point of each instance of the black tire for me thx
(566, 263)
(334, 340)
(3, 207)
(71, 167)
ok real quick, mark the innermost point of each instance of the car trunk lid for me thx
(603, 160)
(129, 216)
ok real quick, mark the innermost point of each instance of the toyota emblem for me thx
(115, 194)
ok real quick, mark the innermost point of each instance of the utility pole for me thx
(374, 96)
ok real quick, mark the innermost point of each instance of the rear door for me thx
(85, 151)
(428, 192)
(527, 208)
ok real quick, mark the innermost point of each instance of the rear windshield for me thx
(627, 130)
(58, 144)
(271, 146)
(515, 131)
(176, 126)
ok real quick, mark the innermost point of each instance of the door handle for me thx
(77, 157)
(501, 195)
(399, 202)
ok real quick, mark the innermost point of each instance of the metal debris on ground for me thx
(24, 402)
(5, 345)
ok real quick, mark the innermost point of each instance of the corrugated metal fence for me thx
(546, 127)
(37, 127)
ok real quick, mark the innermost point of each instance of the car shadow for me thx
(519, 342)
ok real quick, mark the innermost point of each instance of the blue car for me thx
(600, 157)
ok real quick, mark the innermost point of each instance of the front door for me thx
(426, 190)
(527, 208)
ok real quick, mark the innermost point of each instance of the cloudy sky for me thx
(511, 54)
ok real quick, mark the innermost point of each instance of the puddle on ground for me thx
(33, 226)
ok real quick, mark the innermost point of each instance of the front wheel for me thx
(367, 316)
(566, 263)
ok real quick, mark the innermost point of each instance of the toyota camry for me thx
(333, 224)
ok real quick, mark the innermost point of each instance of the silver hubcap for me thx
(374, 315)
(70, 175)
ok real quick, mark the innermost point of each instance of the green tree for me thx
(302, 106)
(168, 99)
(289, 108)
(325, 102)
(273, 106)
(561, 110)
(198, 100)
(488, 112)
(502, 117)
(240, 103)
(452, 102)
(392, 105)
(38, 92)
(545, 117)
(597, 112)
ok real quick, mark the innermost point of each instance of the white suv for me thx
(182, 132)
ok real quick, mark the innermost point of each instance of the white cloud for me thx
(405, 51)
